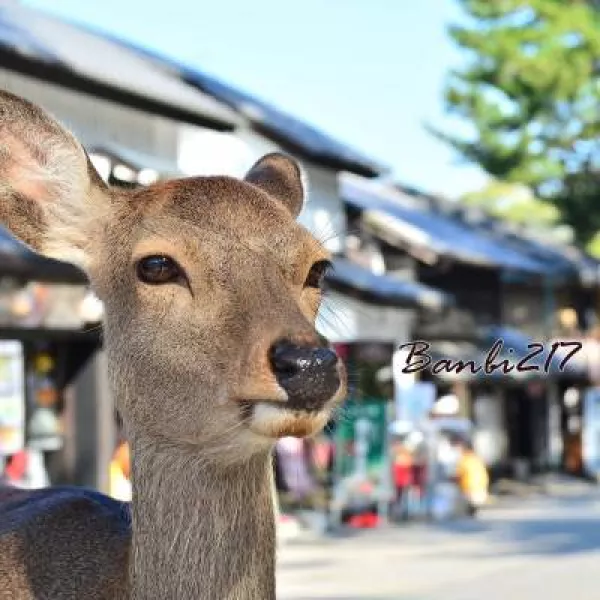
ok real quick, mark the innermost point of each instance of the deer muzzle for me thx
(309, 375)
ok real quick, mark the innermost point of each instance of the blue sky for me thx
(368, 72)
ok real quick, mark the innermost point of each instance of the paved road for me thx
(525, 550)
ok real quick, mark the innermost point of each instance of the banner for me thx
(591, 432)
(361, 438)
(12, 397)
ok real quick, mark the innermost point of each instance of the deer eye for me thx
(156, 270)
(317, 273)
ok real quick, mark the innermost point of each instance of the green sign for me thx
(370, 415)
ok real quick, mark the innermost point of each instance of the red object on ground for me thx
(17, 466)
(364, 521)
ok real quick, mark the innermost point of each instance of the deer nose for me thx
(309, 375)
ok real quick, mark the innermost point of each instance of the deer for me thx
(211, 290)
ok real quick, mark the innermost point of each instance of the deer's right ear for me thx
(50, 194)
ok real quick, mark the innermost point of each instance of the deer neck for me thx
(199, 529)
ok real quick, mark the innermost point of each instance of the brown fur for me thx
(188, 366)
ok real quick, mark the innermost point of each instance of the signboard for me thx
(591, 431)
(12, 397)
(361, 439)
(413, 402)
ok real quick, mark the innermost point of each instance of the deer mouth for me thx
(274, 420)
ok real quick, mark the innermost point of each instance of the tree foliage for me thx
(516, 203)
(530, 92)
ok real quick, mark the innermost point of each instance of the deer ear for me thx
(50, 194)
(281, 177)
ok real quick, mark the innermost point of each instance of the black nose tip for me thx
(308, 375)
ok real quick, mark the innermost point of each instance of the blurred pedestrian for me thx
(120, 473)
(419, 487)
(295, 473)
(403, 476)
(472, 478)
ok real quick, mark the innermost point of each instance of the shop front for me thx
(48, 334)
(527, 407)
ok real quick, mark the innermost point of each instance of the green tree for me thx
(516, 203)
(530, 93)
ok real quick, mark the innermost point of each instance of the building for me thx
(127, 112)
(507, 287)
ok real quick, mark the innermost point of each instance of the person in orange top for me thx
(472, 478)
(122, 458)
(120, 472)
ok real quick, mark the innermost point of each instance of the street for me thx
(522, 549)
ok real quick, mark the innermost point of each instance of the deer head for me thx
(210, 286)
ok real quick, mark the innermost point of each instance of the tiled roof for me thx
(422, 228)
(52, 49)
(18, 260)
(385, 289)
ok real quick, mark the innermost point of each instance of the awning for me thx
(428, 235)
(19, 261)
(384, 289)
(560, 259)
